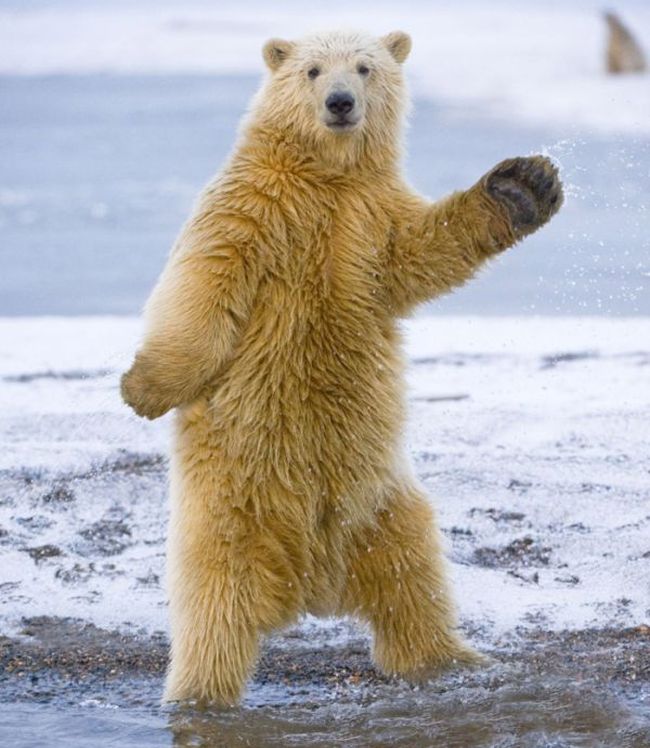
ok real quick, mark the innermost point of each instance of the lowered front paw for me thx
(528, 188)
(139, 392)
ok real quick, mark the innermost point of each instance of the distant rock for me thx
(624, 54)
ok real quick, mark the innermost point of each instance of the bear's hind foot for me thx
(202, 694)
(462, 657)
(456, 655)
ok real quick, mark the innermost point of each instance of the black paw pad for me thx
(529, 188)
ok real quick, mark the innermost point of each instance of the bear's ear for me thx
(275, 52)
(398, 43)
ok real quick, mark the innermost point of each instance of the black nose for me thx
(340, 103)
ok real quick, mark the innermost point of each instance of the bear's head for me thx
(340, 92)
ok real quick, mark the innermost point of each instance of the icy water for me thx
(98, 173)
(524, 715)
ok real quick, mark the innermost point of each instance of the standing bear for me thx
(273, 331)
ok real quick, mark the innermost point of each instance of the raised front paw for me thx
(139, 391)
(530, 190)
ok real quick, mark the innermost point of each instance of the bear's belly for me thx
(323, 393)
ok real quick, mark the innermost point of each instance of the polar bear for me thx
(273, 332)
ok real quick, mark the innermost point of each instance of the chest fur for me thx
(336, 250)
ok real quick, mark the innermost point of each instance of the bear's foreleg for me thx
(193, 319)
(434, 248)
(397, 583)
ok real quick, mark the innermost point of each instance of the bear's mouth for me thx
(342, 124)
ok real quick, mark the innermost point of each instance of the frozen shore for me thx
(530, 435)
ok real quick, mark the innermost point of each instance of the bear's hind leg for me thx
(214, 636)
(397, 583)
(225, 589)
(229, 580)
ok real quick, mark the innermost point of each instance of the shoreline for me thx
(593, 684)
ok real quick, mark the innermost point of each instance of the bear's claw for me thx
(529, 188)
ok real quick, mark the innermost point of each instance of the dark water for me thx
(97, 174)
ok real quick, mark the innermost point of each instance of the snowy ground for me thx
(530, 434)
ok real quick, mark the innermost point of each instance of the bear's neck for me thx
(333, 153)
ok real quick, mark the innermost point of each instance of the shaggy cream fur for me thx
(273, 332)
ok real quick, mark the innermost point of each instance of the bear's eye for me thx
(363, 70)
(313, 73)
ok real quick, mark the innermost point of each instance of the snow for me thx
(553, 429)
(539, 63)
(519, 428)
